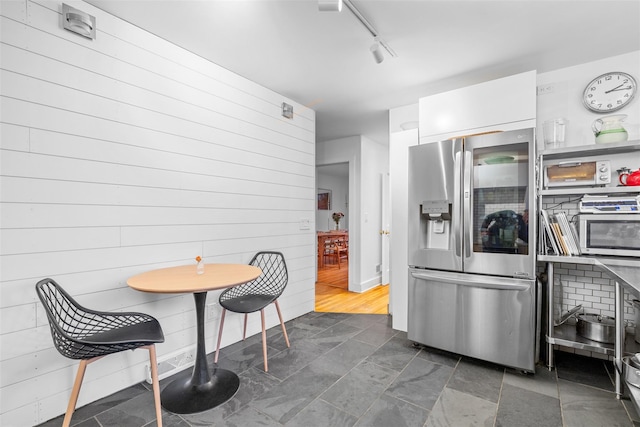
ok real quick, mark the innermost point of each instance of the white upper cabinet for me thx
(480, 107)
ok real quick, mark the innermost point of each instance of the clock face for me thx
(609, 92)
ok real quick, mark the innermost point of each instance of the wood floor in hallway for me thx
(332, 295)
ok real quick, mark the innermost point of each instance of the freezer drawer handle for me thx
(476, 281)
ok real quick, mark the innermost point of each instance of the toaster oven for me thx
(576, 173)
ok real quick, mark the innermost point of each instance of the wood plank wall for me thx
(125, 154)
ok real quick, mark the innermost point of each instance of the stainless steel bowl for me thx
(631, 371)
(597, 327)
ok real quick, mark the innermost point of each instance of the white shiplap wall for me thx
(125, 154)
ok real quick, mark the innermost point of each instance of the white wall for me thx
(560, 95)
(125, 154)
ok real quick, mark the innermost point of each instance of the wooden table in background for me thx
(199, 390)
(323, 236)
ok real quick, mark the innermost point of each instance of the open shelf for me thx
(591, 150)
(590, 190)
(566, 335)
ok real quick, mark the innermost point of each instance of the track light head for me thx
(330, 5)
(376, 52)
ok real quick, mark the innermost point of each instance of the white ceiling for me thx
(322, 59)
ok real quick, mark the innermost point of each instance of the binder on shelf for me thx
(564, 247)
(561, 233)
(569, 231)
(576, 238)
(548, 233)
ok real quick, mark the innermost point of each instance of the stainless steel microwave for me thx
(610, 234)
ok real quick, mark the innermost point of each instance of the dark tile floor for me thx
(355, 370)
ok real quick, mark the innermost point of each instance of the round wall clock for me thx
(609, 92)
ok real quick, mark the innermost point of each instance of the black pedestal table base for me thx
(182, 397)
(199, 390)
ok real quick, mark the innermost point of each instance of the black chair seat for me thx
(137, 335)
(248, 303)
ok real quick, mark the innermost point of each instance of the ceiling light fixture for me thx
(330, 5)
(78, 22)
(375, 50)
(336, 6)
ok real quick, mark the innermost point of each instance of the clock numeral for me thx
(608, 78)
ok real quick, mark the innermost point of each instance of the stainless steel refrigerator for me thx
(472, 287)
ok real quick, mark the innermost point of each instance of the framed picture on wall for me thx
(324, 199)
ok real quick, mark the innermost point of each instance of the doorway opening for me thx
(333, 249)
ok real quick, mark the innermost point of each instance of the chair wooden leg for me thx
(264, 341)
(224, 311)
(284, 330)
(155, 382)
(73, 399)
(244, 331)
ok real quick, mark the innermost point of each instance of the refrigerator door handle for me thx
(467, 183)
(476, 281)
(457, 212)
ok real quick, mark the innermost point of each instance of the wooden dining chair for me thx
(88, 335)
(330, 251)
(341, 249)
(256, 295)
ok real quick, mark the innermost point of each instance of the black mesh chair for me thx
(256, 295)
(88, 335)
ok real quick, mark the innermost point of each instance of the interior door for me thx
(384, 229)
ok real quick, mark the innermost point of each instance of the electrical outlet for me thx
(170, 365)
(189, 358)
(545, 89)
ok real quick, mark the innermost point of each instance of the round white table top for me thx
(184, 278)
